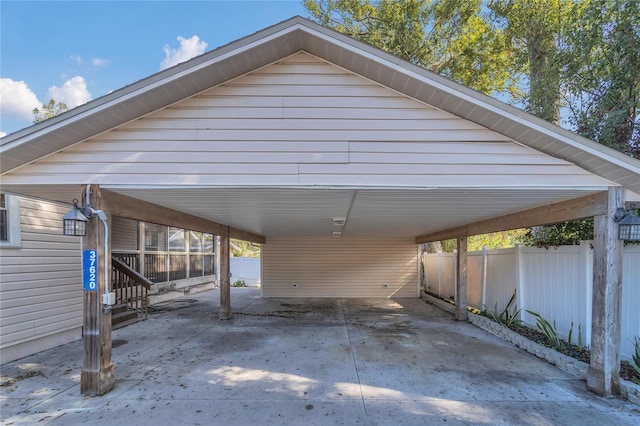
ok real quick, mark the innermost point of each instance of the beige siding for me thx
(124, 234)
(339, 267)
(303, 121)
(40, 284)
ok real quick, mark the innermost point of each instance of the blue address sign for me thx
(90, 269)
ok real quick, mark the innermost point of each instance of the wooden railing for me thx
(130, 287)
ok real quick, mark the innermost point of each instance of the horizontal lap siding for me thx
(303, 121)
(339, 267)
(40, 282)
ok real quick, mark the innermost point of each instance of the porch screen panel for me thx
(196, 267)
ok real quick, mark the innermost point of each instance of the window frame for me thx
(14, 237)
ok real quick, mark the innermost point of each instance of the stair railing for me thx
(130, 287)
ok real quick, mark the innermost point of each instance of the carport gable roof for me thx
(286, 38)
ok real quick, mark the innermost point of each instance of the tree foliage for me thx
(241, 248)
(560, 234)
(601, 73)
(449, 37)
(492, 240)
(533, 30)
(48, 110)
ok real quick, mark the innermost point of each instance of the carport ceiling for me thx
(308, 212)
(389, 213)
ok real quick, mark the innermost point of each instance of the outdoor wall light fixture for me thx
(74, 223)
(628, 223)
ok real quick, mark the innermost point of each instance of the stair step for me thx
(125, 323)
(122, 317)
(119, 308)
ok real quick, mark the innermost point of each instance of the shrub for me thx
(551, 332)
(239, 283)
(636, 358)
(506, 318)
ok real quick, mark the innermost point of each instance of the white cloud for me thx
(17, 100)
(189, 47)
(3, 134)
(76, 58)
(99, 62)
(72, 93)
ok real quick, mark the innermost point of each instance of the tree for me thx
(240, 248)
(586, 53)
(492, 240)
(601, 74)
(560, 234)
(534, 30)
(49, 110)
(448, 37)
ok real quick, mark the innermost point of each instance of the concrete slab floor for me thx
(305, 361)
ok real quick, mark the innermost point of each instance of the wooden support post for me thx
(225, 275)
(98, 372)
(461, 284)
(603, 372)
(484, 276)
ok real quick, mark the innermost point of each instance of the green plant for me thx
(508, 318)
(239, 283)
(551, 332)
(636, 358)
(580, 343)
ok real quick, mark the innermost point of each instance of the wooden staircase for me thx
(132, 294)
(122, 316)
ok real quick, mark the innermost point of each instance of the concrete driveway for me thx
(307, 362)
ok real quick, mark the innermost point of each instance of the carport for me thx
(338, 157)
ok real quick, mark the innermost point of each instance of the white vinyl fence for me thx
(245, 268)
(556, 282)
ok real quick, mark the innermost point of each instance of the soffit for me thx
(308, 212)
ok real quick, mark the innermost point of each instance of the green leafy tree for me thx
(599, 69)
(560, 234)
(449, 37)
(496, 240)
(240, 248)
(534, 30)
(48, 110)
(492, 240)
(601, 73)
(585, 53)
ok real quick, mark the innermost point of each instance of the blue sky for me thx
(75, 51)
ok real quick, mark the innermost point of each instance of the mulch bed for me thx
(627, 372)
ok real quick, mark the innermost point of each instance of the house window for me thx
(176, 239)
(155, 237)
(9, 221)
